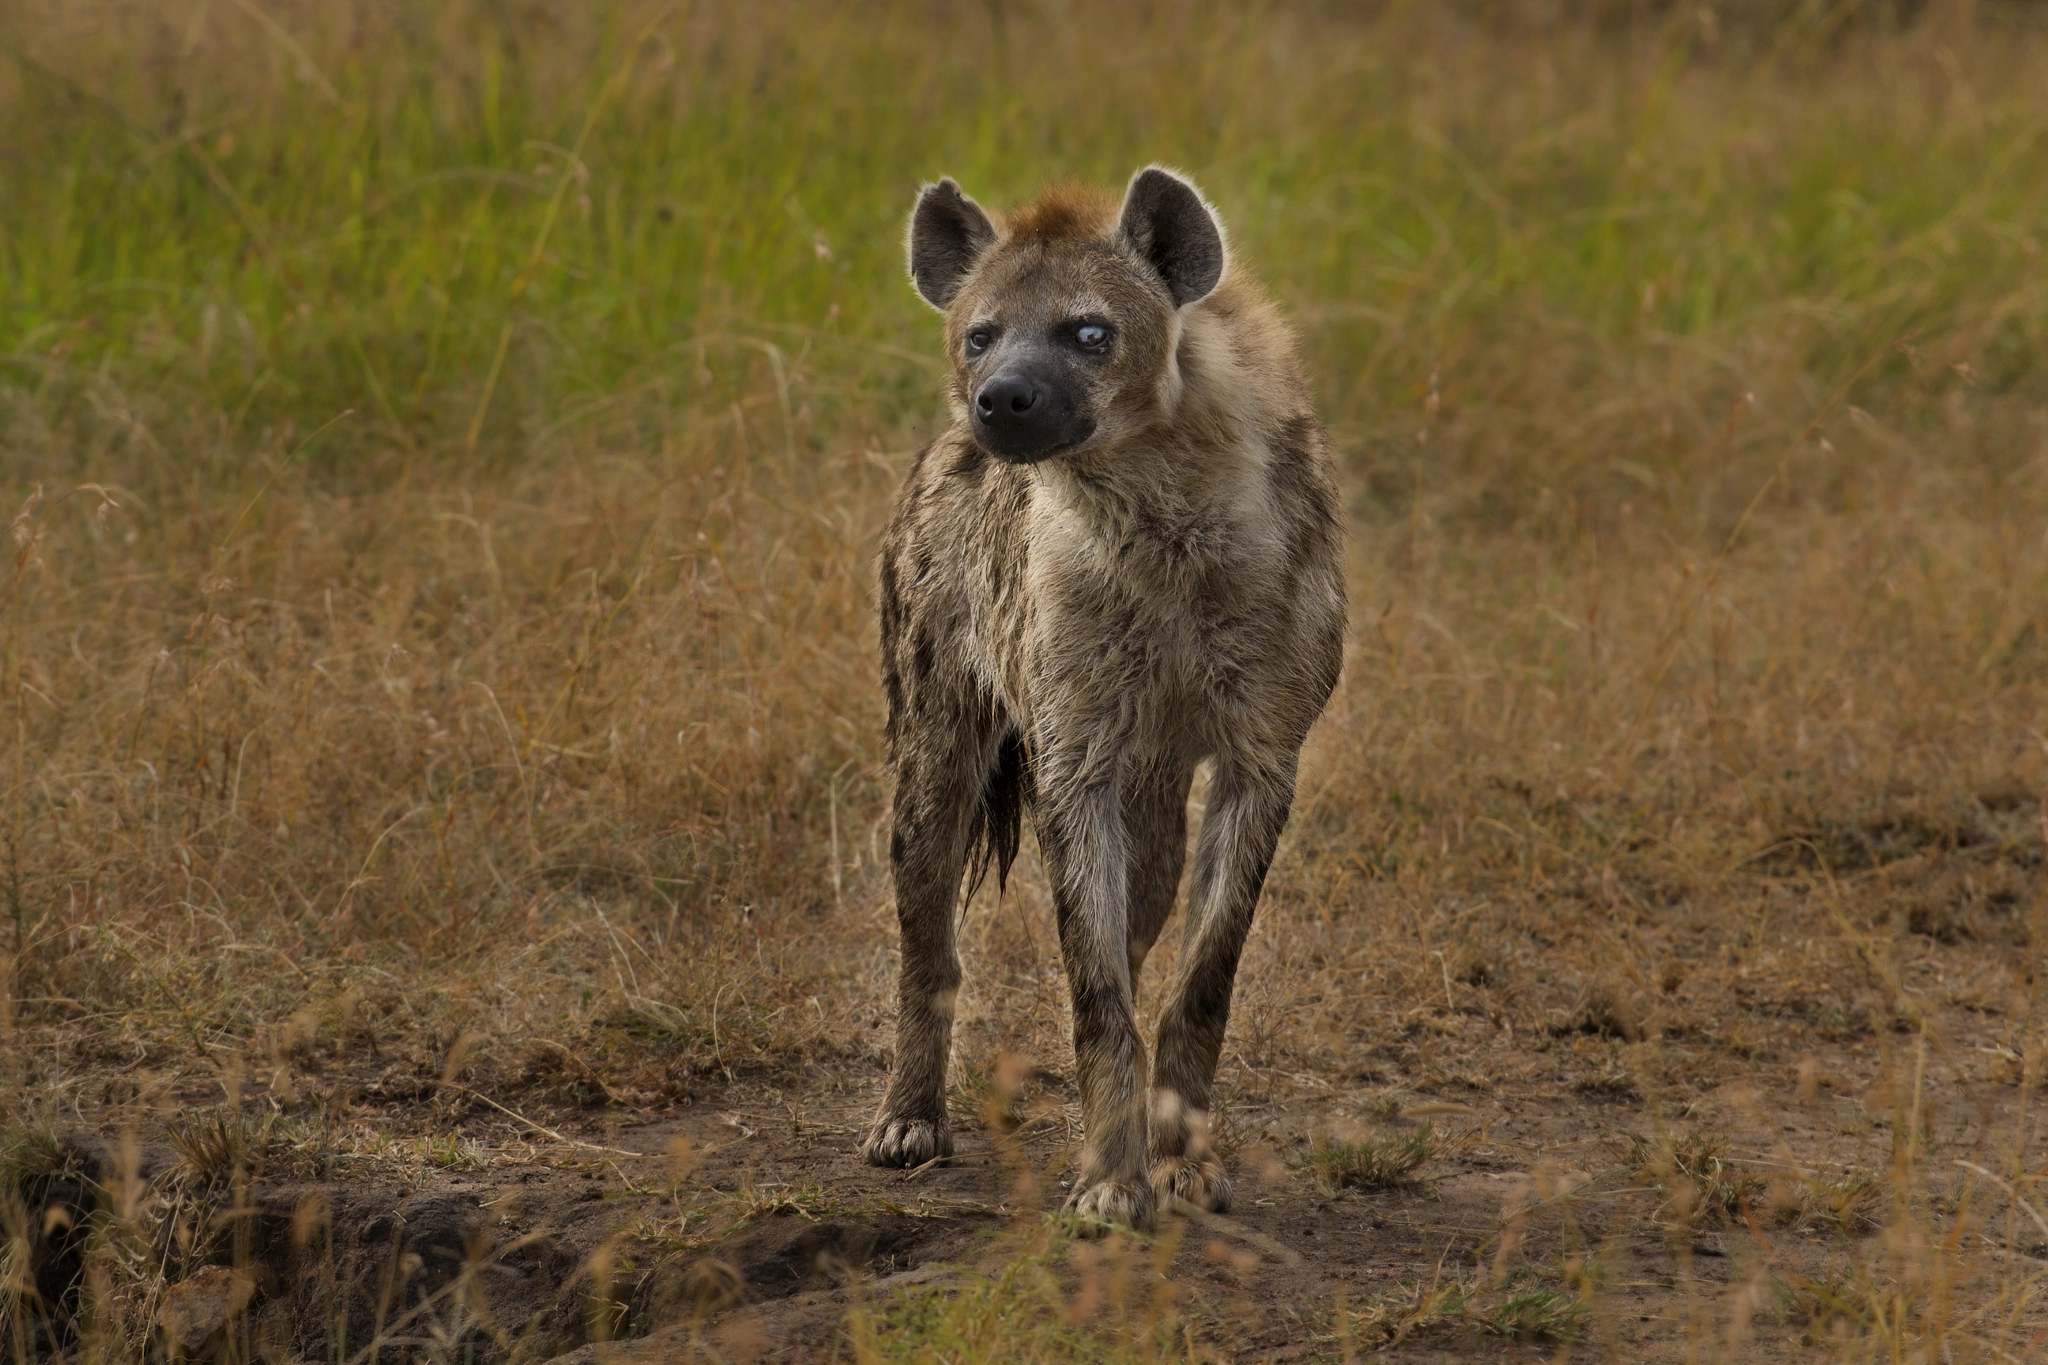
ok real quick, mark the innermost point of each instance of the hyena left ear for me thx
(1166, 222)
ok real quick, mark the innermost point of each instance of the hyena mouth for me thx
(1008, 453)
(1013, 447)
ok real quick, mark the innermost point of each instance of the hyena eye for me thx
(978, 340)
(1092, 335)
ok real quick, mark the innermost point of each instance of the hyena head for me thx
(1062, 322)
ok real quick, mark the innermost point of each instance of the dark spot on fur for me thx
(892, 601)
(1294, 467)
(1293, 445)
(891, 625)
(910, 479)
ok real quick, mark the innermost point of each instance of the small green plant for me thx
(1536, 1314)
(1700, 1181)
(1055, 1300)
(1529, 1307)
(983, 1096)
(724, 1213)
(1835, 1303)
(454, 1152)
(1369, 1163)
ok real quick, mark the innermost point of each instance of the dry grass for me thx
(448, 445)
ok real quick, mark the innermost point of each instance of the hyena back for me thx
(1122, 559)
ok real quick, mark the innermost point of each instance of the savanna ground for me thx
(445, 916)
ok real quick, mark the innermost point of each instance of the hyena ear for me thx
(1167, 223)
(948, 231)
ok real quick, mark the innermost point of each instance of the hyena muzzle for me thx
(1123, 558)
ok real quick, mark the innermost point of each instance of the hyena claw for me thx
(907, 1141)
(1110, 1204)
(1197, 1180)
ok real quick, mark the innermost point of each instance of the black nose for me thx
(1008, 400)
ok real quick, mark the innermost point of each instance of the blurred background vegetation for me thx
(482, 228)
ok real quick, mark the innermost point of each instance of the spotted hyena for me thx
(1122, 558)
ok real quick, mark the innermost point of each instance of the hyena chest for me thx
(1144, 631)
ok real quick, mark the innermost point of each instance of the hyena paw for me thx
(1110, 1204)
(1200, 1180)
(907, 1141)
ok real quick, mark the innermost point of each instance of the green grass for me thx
(474, 231)
(1055, 1299)
(1369, 1162)
(1525, 1306)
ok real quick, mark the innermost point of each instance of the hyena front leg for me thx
(1082, 842)
(1241, 827)
(939, 778)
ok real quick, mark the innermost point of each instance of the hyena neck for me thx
(1175, 501)
(1234, 383)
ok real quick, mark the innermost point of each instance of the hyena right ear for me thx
(1166, 222)
(948, 231)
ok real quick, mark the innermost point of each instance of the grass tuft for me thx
(1369, 1162)
(1524, 1308)
(1698, 1181)
(1541, 1315)
(221, 1144)
(1055, 1299)
(36, 1146)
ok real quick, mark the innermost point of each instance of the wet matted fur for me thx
(1123, 559)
